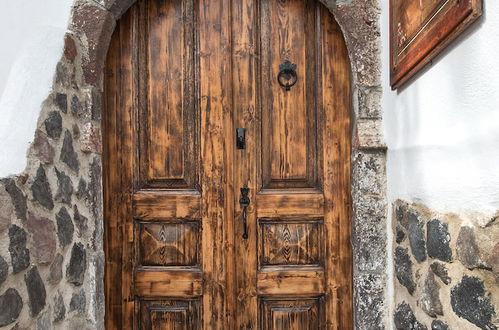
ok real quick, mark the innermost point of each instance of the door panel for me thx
(181, 76)
(289, 132)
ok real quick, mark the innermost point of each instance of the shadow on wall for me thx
(442, 127)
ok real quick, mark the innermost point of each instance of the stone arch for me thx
(68, 141)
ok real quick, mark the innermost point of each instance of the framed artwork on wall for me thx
(420, 29)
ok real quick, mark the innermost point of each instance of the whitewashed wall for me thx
(32, 36)
(442, 129)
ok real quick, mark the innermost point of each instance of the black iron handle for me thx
(244, 201)
(287, 76)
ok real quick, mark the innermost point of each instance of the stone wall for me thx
(50, 215)
(446, 269)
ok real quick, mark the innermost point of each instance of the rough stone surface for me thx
(417, 236)
(70, 50)
(405, 319)
(80, 221)
(44, 322)
(97, 25)
(53, 125)
(41, 189)
(64, 187)
(55, 272)
(68, 154)
(36, 291)
(64, 77)
(400, 235)
(430, 297)
(61, 101)
(369, 102)
(18, 252)
(44, 242)
(440, 270)
(82, 192)
(76, 106)
(11, 305)
(473, 299)
(43, 149)
(438, 240)
(467, 248)
(494, 261)
(59, 308)
(401, 214)
(17, 196)
(65, 227)
(369, 293)
(75, 272)
(469, 302)
(439, 325)
(4, 270)
(78, 302)
(90, 138)
(403, 269)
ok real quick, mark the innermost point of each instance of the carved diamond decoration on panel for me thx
(284, 242)
(299, 313)
(169, 244)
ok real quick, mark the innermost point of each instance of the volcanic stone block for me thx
(18, 252)
(75, 272)
(417, 236)
(403, 269)
(438, 240)
(36, 291)
(468, 301)
(41, 189)
(11, 305)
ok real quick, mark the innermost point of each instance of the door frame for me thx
(86, 45)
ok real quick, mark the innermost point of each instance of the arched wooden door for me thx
(182, 76)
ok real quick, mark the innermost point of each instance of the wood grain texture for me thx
(157, 282)
(170, 314)
(290, 243)
(304, 314)
(168, 124)
(181, 76)
(169, 244)
(421, 30)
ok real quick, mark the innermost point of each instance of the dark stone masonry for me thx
(18, 252)
(438, 240)
(11, 305)
(425, 286)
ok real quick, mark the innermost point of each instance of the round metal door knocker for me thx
(287, 76)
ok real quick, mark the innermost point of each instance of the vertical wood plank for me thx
(337, 149)
(245, 107)
(215, 98)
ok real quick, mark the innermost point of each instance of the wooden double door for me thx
(199, 104)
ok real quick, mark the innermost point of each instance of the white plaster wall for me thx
(32, 37)
(442, 129)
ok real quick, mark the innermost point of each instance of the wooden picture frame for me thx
(420, 29)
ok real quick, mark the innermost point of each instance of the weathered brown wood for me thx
(291, 282)
(170, 314)
(281, 203)
(150, 205)
(181, 75)
(306, 314)
(419, 32)
(337, 149)
(149, 282)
